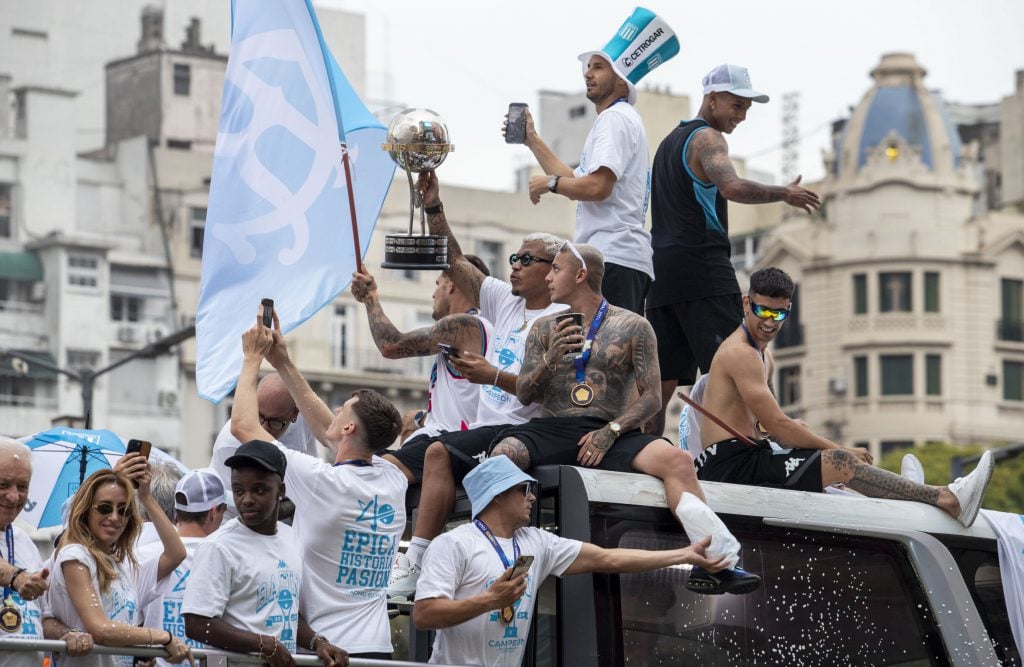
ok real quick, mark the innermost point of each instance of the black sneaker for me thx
(736, 581)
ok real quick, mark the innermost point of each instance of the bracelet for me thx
(170, 638)
(435, 209)
(15, 575)
(497, 372)
(312, 642)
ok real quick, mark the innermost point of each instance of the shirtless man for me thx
(739, 394)
(599, 399)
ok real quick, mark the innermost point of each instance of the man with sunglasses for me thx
(512, 307)
(482, 606)
(739, 395)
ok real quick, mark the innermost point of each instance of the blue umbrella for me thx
(61, 459)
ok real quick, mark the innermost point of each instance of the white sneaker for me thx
(970, 490)
(404, 577)
(912, 469)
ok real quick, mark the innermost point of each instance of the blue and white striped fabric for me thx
(642, 43)
(278, 223)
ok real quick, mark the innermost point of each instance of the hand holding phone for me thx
(448, 351)
(515, 130)
(142, 447)
(521, 566)
(268, 312)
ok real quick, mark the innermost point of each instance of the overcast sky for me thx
(468, 59)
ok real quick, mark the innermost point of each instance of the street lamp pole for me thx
(87, 377)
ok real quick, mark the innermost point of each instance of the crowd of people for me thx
(571, 361)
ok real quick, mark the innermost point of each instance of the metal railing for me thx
(212, 657)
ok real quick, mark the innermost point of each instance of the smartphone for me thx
(521, 565)
(268, 313)
(515, 131)
(141, 446)
(448, 351)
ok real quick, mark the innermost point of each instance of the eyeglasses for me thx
(274, 422)
(766, 313)
(107, 508)
(525, 259)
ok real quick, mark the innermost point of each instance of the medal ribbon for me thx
(483, 528)
(359, 463)
(581, 361)
(9, 534)
(750, 339)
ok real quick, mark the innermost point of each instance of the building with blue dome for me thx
(909, 323)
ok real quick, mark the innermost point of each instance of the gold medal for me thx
(581, 394)
(508, 614)
(10, 617)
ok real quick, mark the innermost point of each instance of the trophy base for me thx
(415, 253)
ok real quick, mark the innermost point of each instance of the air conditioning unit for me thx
(837, 386)
(167, 399)
(37, 292)
(127, 334)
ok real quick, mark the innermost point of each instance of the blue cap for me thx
(642, 43)
(495, 475)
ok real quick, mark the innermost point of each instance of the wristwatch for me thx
(553, 184)
(615, 428)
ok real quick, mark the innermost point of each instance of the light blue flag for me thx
(278, 223)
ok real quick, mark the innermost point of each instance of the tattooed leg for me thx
(515, 450)
(437, 495)
(841, 466)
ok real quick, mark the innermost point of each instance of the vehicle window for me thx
(825, 600)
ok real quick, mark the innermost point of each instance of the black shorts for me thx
(690, 332)
(555, 441)
(412, 452)
(738, 463)
(466, 449)
(625, 287)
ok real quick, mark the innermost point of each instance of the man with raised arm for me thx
(350, 515)
(512, 307)
(600, 384)
(738, 394)
(695, 300)
(468, 593)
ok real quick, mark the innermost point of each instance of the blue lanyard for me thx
(483, 528)
(581, 361)
(621, 99)
(359, 463)
(750, 339)
(10, 557)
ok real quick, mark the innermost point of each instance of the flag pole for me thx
(351, 204)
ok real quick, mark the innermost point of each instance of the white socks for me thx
(417, 547)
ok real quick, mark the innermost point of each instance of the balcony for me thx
(790, 336)
(1011, 330)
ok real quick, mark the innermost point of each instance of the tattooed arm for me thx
(711, 154)
(647, 401)
(466, 277)
(535, 372)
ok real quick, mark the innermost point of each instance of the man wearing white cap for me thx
(612, 181)
(467, 592)
(694, 303)
(199, 504)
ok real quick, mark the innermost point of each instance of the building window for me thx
(1011, 320)
(894, 292)
(792, 332)
(79, 359)
(124, 308)
(860, 293)
(83, 270)
(179, 144)
(1013, 381)
(743, 251)
(17, 391)
(933, 374)
(341, 337)
(931, 292)
(182, 79)
(5, 211)
(887, 446)
(897, 374)
(491, 254)
(789, 385)
(196, 230)
(860, 376)
(577, 112)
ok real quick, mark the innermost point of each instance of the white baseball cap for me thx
(733, 79)
(201, 490)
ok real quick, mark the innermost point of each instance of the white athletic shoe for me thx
(404, 577)
(970, 490)
(912, 469)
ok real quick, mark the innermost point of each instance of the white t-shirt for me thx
(164, 609)
(512, 323)
(349, 520)
(462, 563)
(297, 436)
(615, 225)
(249, 580)
(26, 555)
(131, 589)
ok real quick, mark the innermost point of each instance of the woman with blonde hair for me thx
(97, 584)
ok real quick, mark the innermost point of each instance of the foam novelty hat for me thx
(495, 475)
(642, 43)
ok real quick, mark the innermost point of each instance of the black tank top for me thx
(689, 227)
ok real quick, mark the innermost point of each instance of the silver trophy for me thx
(417, 141)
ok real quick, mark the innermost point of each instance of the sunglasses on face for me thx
(525, 259)
(107, 508)
(528, 488)
(273, 422)
(766, 313)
